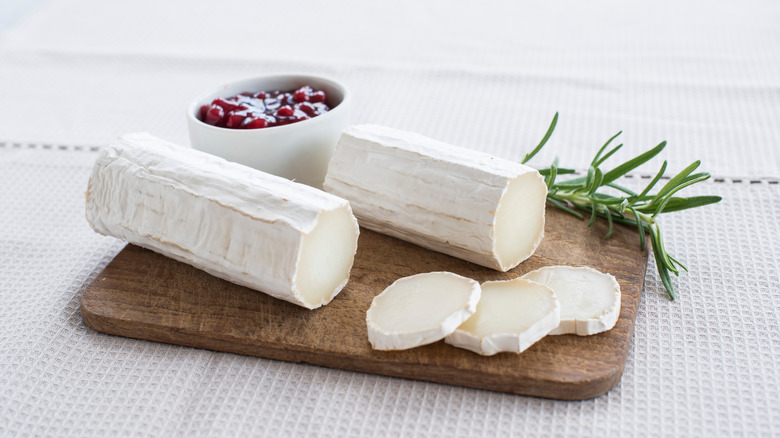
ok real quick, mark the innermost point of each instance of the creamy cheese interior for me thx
(420, 302)
(583, 293)
(326, 256)
(519, 221)
(509, 307)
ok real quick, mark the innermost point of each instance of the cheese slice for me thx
(420, 309)
(590, 300)
(511, 316)
(464, 203)
(291, 241)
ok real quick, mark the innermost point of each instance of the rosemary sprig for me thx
(641, 210)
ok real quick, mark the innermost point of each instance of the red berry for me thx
(226, 104)
(256, 123)
(285, 111)
(214, 115)
(235, 119)
(318, 96)
(308, 109)
(261, 109)
(300, 96)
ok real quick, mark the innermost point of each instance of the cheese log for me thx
(590, 300)
(460, 202)
(511, 316)
(291, 241)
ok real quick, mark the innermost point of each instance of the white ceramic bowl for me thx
(298, 151)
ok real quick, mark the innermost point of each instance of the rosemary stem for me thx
(641, 210)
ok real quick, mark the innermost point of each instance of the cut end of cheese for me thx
(326, 257)
(519, 222)
(420, 309)
(590, 300)
(511, 316)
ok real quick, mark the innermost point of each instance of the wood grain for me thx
(144, 295)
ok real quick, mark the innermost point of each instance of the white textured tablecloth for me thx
(705, 77)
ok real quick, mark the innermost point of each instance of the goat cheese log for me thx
(460, 202)
(257, 230)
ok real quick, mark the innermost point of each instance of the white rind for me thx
(234, 222)
(579, 281)
(515, 341)
(384, 338)
(432, 194)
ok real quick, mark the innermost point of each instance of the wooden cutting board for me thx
(144, 295)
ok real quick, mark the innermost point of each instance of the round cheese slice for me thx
(511, 316)
(590, 300)
(420, 309)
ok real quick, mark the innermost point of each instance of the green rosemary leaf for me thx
(604, 199)
(675, 181)
(609, 220)
(589, 178)
(544, 140)
(679, 204)
(592, 213)
(641, 228)
(622, 189)
(598, 177)
(574, 182)
(552, 176)
(665, 278)
(609, 154)
(633, 200)
(563, 207)
(633, 163)
(654, 181)
(676, 262)
(596, 159)
(561, 171)
(687, 183)
(662, 253)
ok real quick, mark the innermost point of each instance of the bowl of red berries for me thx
(286, 125)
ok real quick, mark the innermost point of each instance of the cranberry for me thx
(261, 109)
